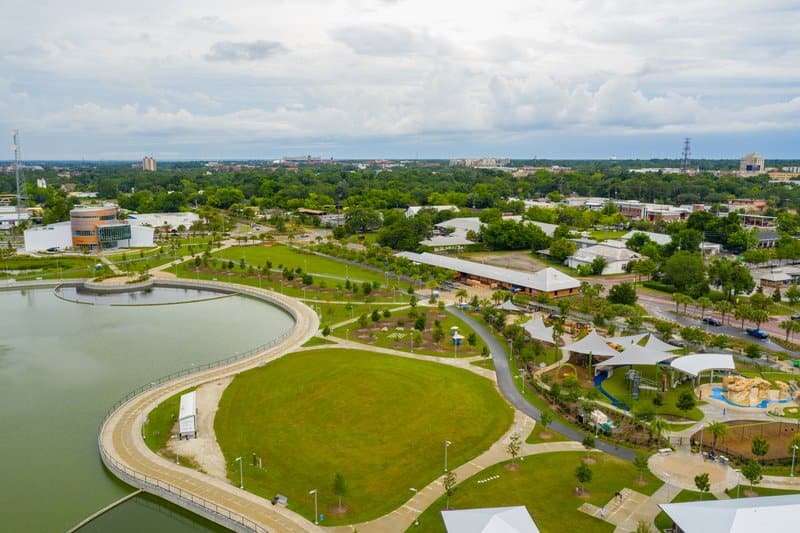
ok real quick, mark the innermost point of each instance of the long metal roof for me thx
(546, 280)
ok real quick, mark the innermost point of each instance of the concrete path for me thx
(114, 268)
(124, 450)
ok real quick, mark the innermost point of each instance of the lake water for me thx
(62, 365)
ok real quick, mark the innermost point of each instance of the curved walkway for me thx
(124, 452)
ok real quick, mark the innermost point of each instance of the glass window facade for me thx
(113, 233)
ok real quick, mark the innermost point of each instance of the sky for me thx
(263, 79)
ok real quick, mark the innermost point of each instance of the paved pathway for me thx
(122, 444)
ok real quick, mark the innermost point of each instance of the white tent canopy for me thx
(637, 355)
(696, 363)
(490, 520)
(508, 305)
(592, 344)
(537, 330)
(654, 343)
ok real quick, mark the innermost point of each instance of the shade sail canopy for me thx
(592, 344)
(537, 330)
(696, 363)
(654, 343)
(508, 305)
(637, 355)
(626, 340)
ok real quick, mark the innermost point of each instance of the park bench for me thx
(664, 451)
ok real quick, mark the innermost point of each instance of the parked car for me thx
(795, 316)
(757, 333)
(711, 321)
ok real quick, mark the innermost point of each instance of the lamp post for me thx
(416, 519)
(316, 512)
(241, 476)
(701, 439)
(794, 450)
(510, 349)
(447, 444)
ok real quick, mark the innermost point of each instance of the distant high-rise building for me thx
(148, 164)
(752, 163)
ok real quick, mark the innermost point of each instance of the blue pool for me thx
(717, 394)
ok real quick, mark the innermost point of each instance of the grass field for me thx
(292, 258)
(536, 435)
(380, 421)
(161, 420)
(28, 268)
(760, 491)
(663, 522)
(162, 253)
(546, 486)
(317, 341)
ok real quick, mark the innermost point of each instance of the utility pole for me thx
(22, 190)
(687, 151)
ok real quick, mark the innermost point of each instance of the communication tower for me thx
(22, 190)
(687, 151)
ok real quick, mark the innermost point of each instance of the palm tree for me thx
(743, 312)
(658, 426)
(462, 294)
(788, 326)
(681, 299)
(704, 302)
(723, 307)
(498, 296)
(718, 430)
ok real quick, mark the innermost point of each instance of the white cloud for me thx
(370, 69)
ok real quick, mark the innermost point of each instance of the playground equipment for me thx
(636, 383)
(751, 392)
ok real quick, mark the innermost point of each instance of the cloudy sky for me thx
(400, 78)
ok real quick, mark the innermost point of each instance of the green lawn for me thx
(487, 363)
(615, 386)
(663, 522)
(160, 421)
(401, 339)
(293, 259)
(536, 435)
(761, 491)
(546, 486)
(317, 341)
(380, 421)
(30, 268)
(162, 253)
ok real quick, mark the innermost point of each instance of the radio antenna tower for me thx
(687, 151)
(22, 190)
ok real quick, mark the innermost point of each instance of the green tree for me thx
(704, 302)
(326, 331)
(562, 248)
(702, 483)
(513, 447)
(623, 293)
(686, 272)
(583, 474)
(752, 472)
(598, 264)
(339, 487)
(685, 401)
(640, 462)
(450, 482)
(759, 446)
(545, 419)
(717, 430)
(588, 443)
(681, 299)
(658, 426)
(793, 294)
(723, 307)
(753, 351)
(375, 316)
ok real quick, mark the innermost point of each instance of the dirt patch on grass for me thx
(512, 467)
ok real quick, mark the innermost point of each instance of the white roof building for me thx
(740, 515)
(662, 239)
(615, 253)
(549, 280)
(187, 415)
(156, 220)
(490, 520)
(413, 210)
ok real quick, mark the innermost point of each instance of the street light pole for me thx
(794, 450)
(316, 512)
(701, 440)
(447, 444)
(241, 476)
(416, 519)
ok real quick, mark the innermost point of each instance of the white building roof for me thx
(608, 250)
(490, 520)
(186, 413)
(776, 276)
(661, 239)
(548, 229)
(696, 363)
(592, 344)
(547, 280)
(537, 330)
(163, 219)
(446, 240)
(740, 515)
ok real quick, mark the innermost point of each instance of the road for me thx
(506, 382)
